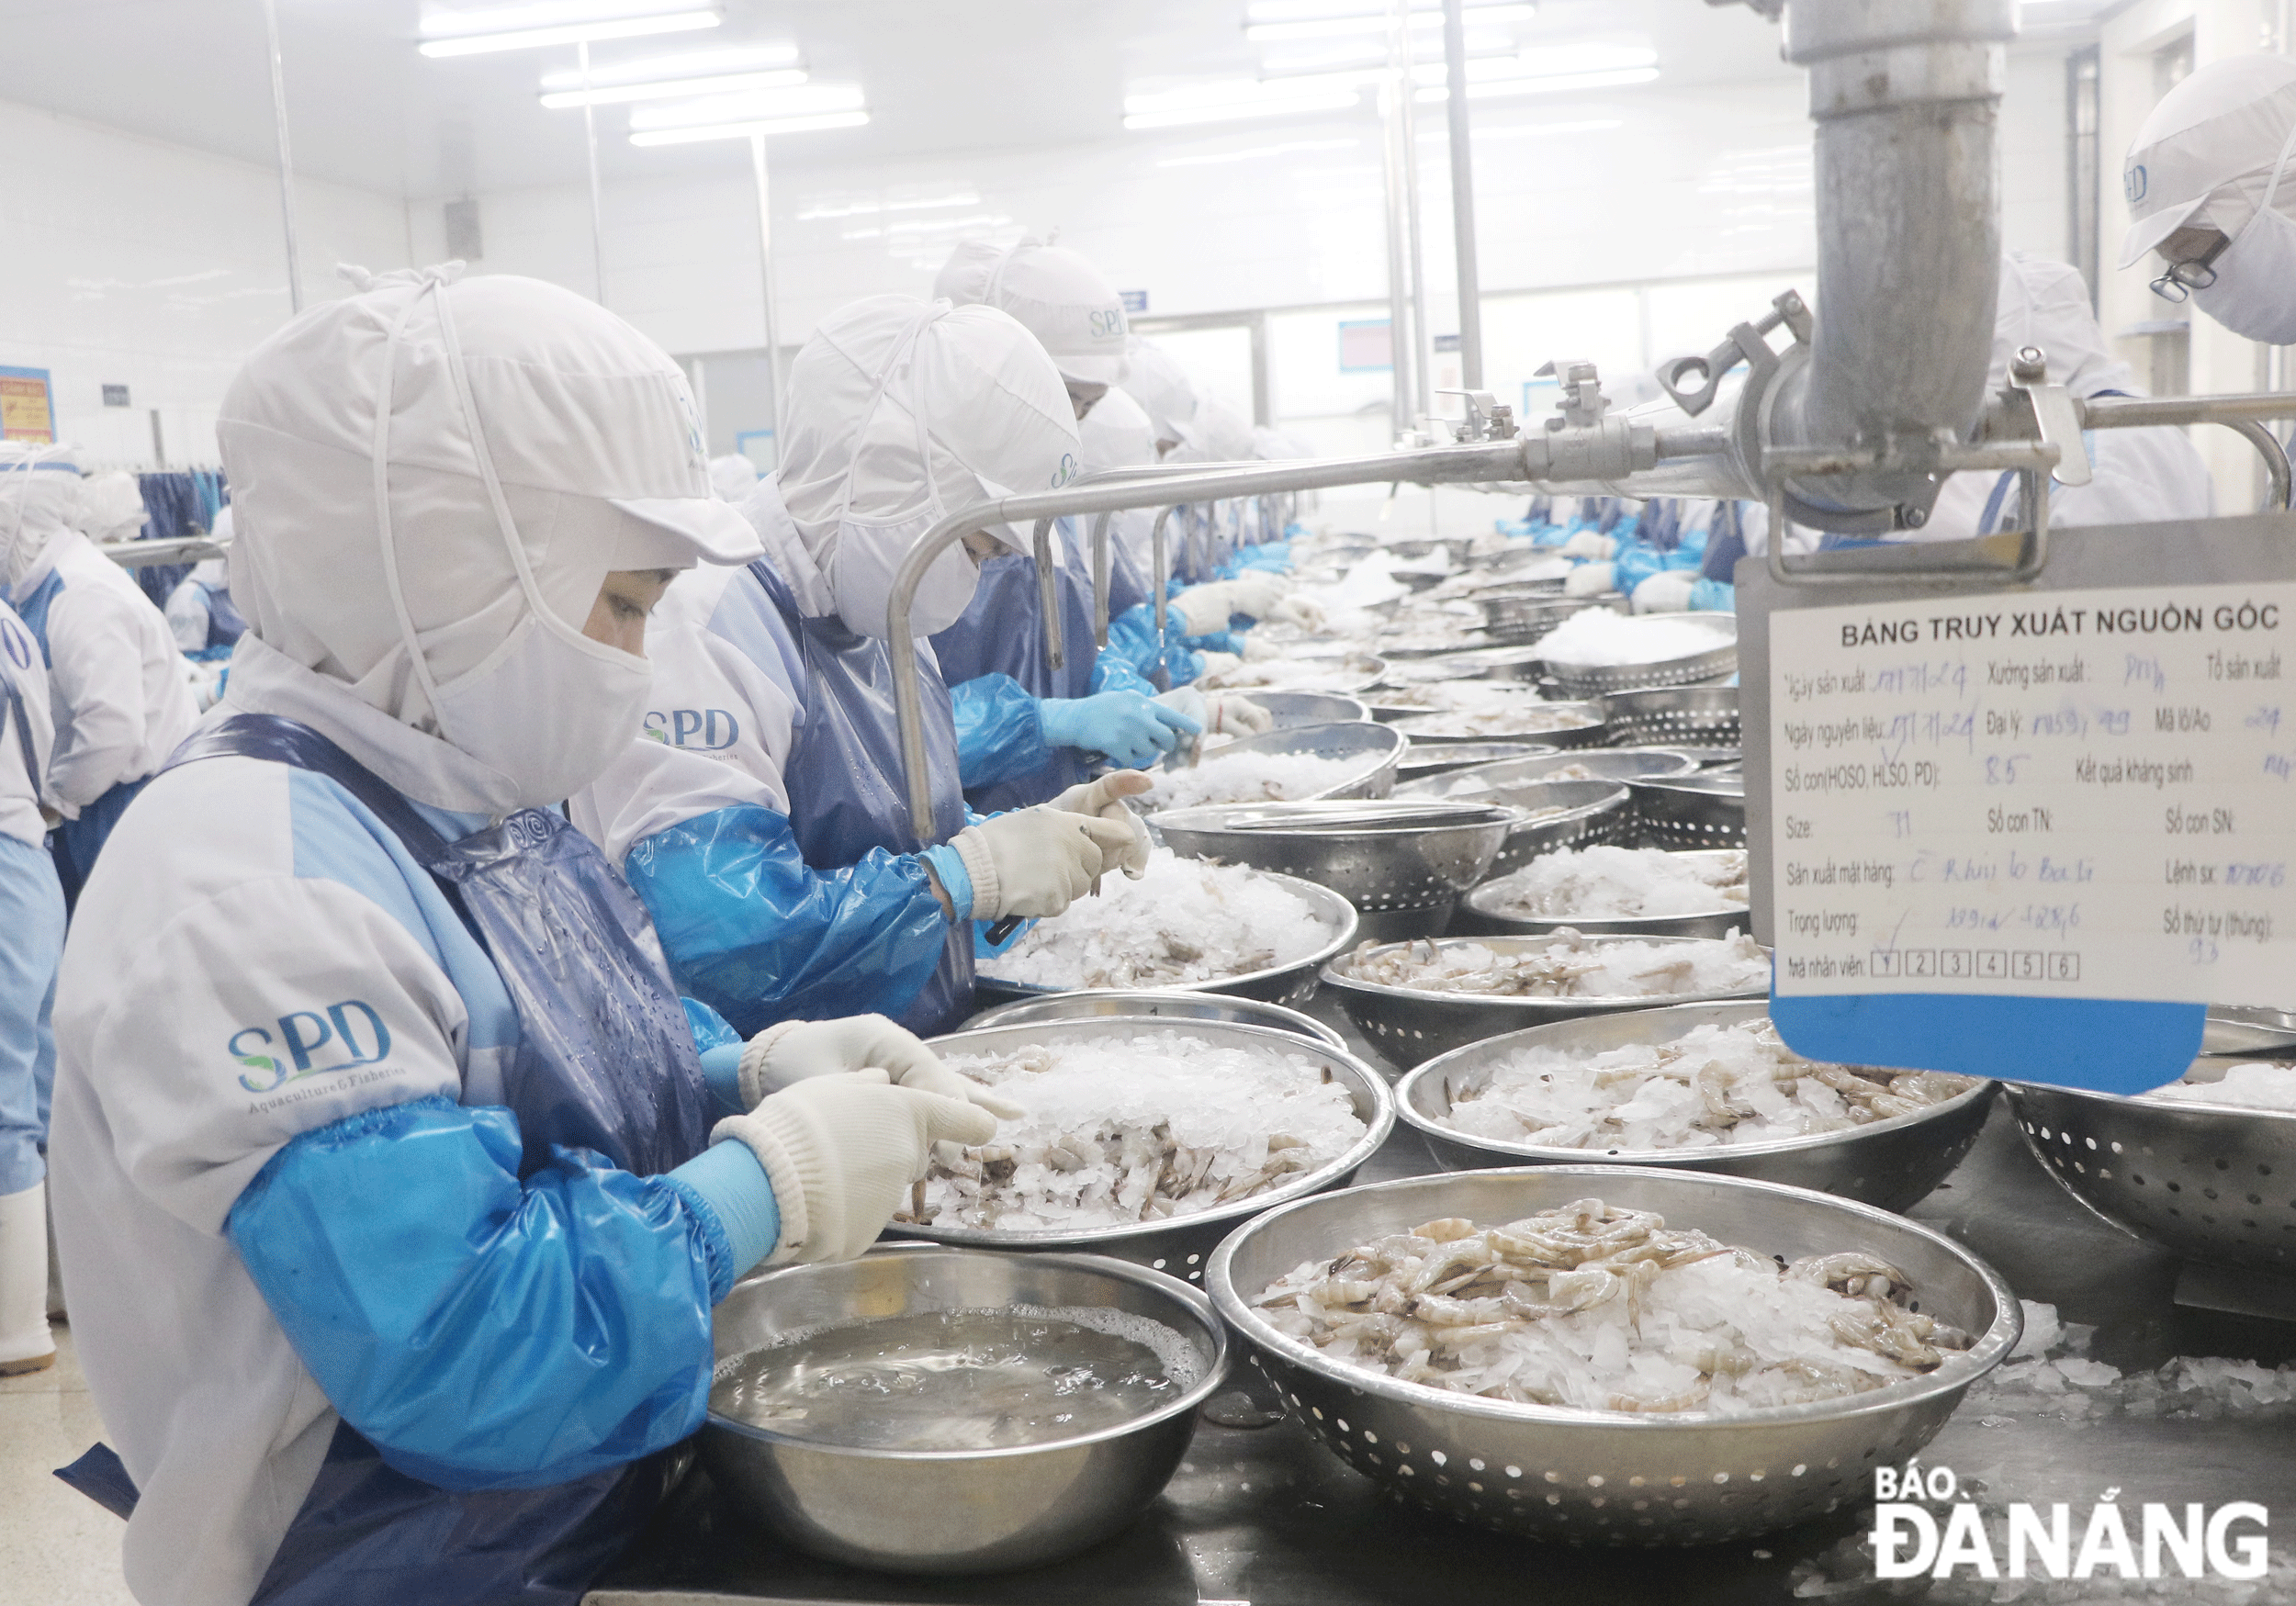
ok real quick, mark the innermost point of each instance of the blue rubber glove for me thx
(1130, 729)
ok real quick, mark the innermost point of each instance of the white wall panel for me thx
(130, 262)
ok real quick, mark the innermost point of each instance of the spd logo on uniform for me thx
(349, 1034)
(709, 729)
(2135, 182)
(1107, 323)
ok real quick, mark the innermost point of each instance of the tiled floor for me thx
(57, 1547)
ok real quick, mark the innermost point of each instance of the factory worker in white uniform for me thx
(391, 1193)
(2210, 184)
(32, 914)
(2135, 475)
(1027, 732)
(1057, 296)
(766, 823)
(115, 680)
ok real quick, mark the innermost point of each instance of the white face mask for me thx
(549, 710)
(869, 554)
(2254, 292)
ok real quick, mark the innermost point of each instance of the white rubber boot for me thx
(26, 1345)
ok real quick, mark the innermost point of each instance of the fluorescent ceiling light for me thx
(1492, 88)
(824, 210)
(1233, 99)
(835, 119)
(1370, 66)
(1268, 22)
(520, 27)
(1286, 149)
(687, 64)
(621, 93)
(809, 100)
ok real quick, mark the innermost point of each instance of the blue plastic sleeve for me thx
(1113, 673)
(709, 1027)
(728, 1179)
(760, 936)
(955, 880)
(482, 1331)
(721, 1074)
(999, 735)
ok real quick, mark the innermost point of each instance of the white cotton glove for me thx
(1105, 798)
(1587, 544)
(840, 1153)
(1217, 665)
(1238, 716)
(1302, 611)
(1591, 579)
(1667, 591)
(1256, 593)
(782, 1056)
(1226, 713)
(1201, 610)
(1258, 649)
(1038, 861)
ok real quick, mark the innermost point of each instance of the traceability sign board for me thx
(2031, 833)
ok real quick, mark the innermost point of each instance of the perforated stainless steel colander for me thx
(2211, 1183)
(1608, 1478)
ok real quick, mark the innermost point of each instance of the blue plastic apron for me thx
(846, 793)
(1003, 634)
(225, 626)
(75, 843)
(605, 1061)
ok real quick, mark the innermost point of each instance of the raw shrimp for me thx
(1608, 1309)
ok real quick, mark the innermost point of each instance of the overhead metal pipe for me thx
(1468, 271)
(1906, 95)
(287, 161)
(765, 278)
(597, 198)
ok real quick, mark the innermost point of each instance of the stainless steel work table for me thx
(1267, 1516)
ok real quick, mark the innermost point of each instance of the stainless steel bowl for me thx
(2239, 1028)
(1453, 549)
(954, 1511)
(1297, 708)
(1466, 641)
(1170, 1007)
(1611, 764)
(1410, 1025)
(1401, 866)
(1509, 664)
(1686, 670)
(1482, 911)
(1177, 1244)
(1440, 759)
(1342, 675)
(1289, 983)
(1693, 716)
(1395, 701)
(1584, 729)
(1894, 1164)
(1592, 810)
(1605, 1477)
(1372, 750)
(1704, 810)
(1531, 612)
(2209, 1182)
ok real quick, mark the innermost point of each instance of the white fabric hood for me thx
(431, 479)
(1058, 295)
(2045, 304)
(40, 487)
(900, 412)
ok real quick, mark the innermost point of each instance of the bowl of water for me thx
(931, 1410)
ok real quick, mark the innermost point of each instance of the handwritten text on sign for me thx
(2081, 795)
